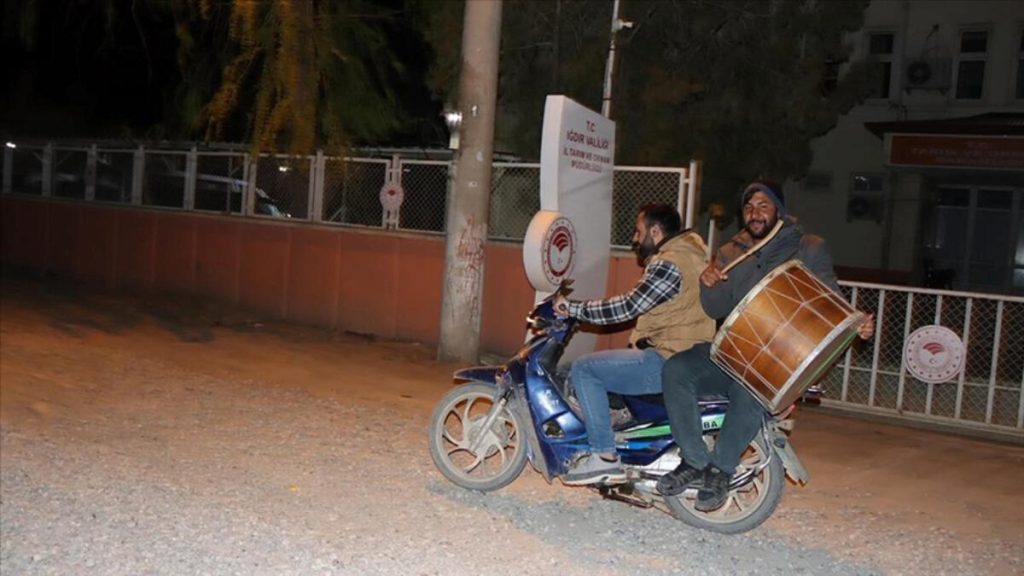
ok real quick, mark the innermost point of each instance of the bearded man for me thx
(691, 374)
(669, 320)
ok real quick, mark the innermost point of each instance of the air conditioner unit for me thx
(926, 74)
(865, 205)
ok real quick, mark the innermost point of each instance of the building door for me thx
(975, 239)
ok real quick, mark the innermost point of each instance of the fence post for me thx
(1020, 401)
(8, 166)
(191, 168)
(47, 170)
(390, 213)
(967, 346)
(692, 193)
(138, 173)
(908, 319)
(316, 209)
(250, 186)
(880, 322)
(938, 321)
(90, 173)
(993, 379)
(845, 388)
(684, 179)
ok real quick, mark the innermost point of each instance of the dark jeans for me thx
(686, 377)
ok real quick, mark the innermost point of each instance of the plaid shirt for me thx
(661, 282)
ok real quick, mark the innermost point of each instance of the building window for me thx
(1020, 68)
(880, 57)
(970, 69)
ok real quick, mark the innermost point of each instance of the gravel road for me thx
(152, 438)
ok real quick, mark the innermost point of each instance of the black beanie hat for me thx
(770, 189)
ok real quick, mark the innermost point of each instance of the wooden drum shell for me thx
(784, 334)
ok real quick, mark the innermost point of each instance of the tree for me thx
(293, 75)
(552, 47)
(741, 84)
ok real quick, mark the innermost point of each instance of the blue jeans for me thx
(630, 372)
(691, 374)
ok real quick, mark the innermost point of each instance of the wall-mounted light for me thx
(453, 120)
(283, 168)
(11, 145)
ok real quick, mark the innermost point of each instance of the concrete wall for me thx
(382, 283)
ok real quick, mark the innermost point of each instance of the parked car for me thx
(212, 193)
(67, 185)
(224, 194)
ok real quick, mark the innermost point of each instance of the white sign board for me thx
(577, 159)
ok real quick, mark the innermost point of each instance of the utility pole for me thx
(609, 67)
(469, 203)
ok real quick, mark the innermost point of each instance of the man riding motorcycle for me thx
(665, 304)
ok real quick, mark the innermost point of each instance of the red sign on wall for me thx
(1006, 152)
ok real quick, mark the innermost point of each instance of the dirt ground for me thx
(80, 366)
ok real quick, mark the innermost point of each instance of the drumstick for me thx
(755, 247)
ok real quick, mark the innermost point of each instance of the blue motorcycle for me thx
(484, 431)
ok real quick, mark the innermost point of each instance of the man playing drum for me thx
(691, 374)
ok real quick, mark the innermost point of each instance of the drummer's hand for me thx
(561, 305)
(712, 275)
(867, 328)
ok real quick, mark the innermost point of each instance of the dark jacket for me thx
(791, 242)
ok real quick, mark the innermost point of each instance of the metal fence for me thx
(873, 376)
(317, 188)
(986, 394)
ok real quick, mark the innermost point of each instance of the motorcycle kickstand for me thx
(614, 493)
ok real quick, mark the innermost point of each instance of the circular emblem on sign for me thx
(559, 249)
(549, 250)
(934, 354)
(391, 196)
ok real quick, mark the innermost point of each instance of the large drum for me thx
(784, 334)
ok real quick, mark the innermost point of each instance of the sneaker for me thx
(714, 491)
(592, 469)
(677, 481)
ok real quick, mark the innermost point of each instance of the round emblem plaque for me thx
(549, 250)
(559, 249)
(934, 354)
(391, 196)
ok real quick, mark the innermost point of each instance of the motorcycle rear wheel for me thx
(499, 454)
(747, 506)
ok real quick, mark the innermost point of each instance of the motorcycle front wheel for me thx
(747, 506)
(466, 451)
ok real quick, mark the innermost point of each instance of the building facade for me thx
(923, 183)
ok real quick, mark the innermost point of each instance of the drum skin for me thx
(784, 335)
